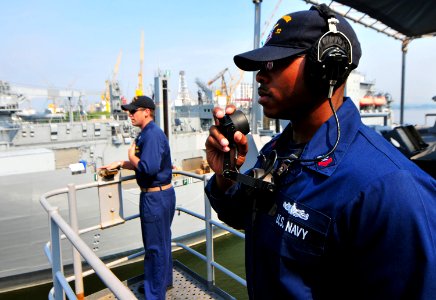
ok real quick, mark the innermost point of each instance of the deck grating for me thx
(185, 286)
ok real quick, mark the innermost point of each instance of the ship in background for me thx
(48, 153)
(374, 106)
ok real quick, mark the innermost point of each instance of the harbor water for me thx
(228, 251)
(416, 115)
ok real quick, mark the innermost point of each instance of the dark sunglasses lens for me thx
(132, 112)
(280, 63)
(268, 65)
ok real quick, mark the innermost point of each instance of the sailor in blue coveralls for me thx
(349, 216)
(150, 157)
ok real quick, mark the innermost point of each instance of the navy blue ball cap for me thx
(139, 102)
(294, 34)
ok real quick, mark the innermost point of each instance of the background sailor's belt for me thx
(156, 188)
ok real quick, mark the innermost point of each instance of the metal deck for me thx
(185, 286)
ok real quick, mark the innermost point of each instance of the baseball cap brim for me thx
(253, 60)
(129, 106)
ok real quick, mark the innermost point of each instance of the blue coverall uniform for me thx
(361, 224)
(156, 209)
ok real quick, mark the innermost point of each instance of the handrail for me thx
(384, 115)
(428, 115)
(111, 281)
(58, 225)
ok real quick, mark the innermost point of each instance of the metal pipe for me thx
(56, 255)
(256, 113)
(229, 273)
(229, 229)
(209, 239)
(70, 294)
(111, 264)
(194, 214)
(193, 175)
(215, 264)
(404, 47)
(74, 223)
(106, 275)
(166, 124)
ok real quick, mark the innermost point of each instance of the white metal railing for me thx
(385, 115)
(428, 115)
(71, 232)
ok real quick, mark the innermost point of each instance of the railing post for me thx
(56, 255)
(209, 239)
(78, 281)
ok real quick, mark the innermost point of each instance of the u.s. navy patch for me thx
(304, 230)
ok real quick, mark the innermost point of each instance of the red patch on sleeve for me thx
(325, 162)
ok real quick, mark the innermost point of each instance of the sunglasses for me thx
(133, 111)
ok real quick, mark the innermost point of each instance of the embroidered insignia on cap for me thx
(274, 30)
(287, 18)
(294, 211)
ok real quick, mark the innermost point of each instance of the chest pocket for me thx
(304, 235)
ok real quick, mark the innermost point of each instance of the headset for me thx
(328, 61)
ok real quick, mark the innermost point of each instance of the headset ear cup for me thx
(335, 55)
(333, 64)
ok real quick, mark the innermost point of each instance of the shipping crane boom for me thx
(107, 94)
(223, 90)
(218, 76)
(140, 89)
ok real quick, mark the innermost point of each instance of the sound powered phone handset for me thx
(229, 124)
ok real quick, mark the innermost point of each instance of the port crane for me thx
(223, 90)
(112, 84)
(227, 90)
(205, 93)
(140, 90)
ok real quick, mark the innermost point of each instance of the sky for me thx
(75, 45)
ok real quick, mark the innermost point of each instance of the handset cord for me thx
(259, 183)
(293, 157)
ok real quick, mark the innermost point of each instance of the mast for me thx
(404, 47)
(256, 112)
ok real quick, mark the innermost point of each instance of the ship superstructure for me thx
(37, 156)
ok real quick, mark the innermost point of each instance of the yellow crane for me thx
(106, 95)
(223, 90)
(235, 83)
(227, 90)
(140, 90)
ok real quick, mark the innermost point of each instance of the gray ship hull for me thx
(24, 225)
